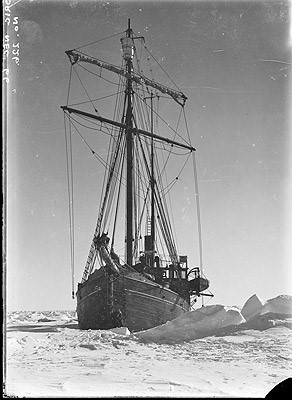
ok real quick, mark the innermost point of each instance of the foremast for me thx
(128, 53)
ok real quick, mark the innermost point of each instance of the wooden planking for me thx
(144, 312)
(144, 304)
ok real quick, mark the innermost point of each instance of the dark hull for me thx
(143, 304)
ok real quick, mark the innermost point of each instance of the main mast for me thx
(131, 76)
(128, 53)
(152, 178)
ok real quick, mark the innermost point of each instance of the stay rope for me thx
(100, 40)
(197, 201)
(82, 84)
(69, 167)
(149, 52)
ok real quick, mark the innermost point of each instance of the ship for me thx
(150, 282)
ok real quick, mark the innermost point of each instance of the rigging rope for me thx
(197, 205)
(87, 144)
(146, 48)
(118, 201)
(99, 98)
(88, 120)
(166, 229)
(174, 181)
(168, 156)
(99, 76)
(69, 85)
(118, 106)
(100, 40)
(86, 91)
(198, 213)
(167, 124)
(68, 143)
(164, 217)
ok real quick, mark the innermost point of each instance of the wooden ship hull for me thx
(141, 303)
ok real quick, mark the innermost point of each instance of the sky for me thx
(232, 59)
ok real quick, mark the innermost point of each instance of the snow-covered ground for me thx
(214, 351)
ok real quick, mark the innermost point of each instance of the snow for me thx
(193, 325)
(214, 351)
